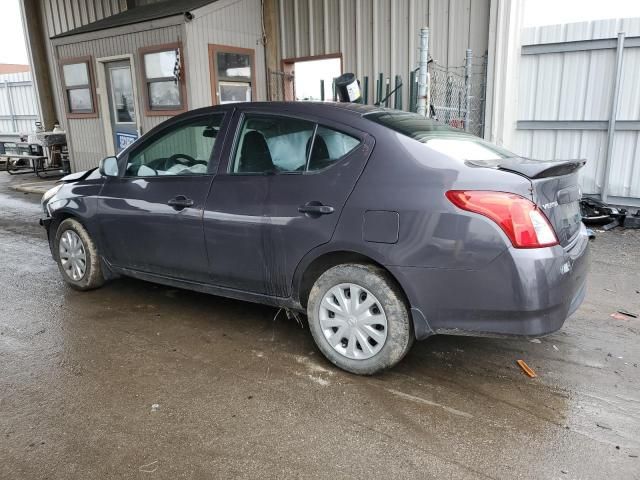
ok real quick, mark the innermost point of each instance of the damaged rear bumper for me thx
(523, 292)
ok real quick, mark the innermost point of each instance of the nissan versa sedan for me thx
(383, 226)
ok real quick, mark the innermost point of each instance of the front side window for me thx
(183, 150)
(77, 81)
(271, 144)
(164, 80)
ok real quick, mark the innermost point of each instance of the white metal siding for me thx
(578, 86)
(87, 138)
(17, 87)
(381, 36)
(237, 23)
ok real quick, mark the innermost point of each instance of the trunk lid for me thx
(554, 187)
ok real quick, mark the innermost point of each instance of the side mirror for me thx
(108, 167)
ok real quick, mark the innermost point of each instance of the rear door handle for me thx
(315, 208)
(180, 202)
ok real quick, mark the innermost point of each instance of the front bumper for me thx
(523, 292)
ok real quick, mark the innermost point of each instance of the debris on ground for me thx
(632, 221)
(555, 348)
(149, 467)
(595, 211)
(628, 313)
(618, 316)
(535, 340)
(155, 407)
(526, 368)
(602, 425)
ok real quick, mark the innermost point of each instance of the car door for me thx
(150, 216)
(279, 197)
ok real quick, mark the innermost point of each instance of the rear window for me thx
(440, 137)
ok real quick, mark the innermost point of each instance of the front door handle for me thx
(180, 202)
(315, 208)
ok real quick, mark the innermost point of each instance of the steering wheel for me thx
(181, 158)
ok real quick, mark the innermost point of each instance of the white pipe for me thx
(613, 113)
(422, 73)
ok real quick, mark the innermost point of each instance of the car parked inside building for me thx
(381, 225)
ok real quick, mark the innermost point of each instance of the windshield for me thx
(449, 141)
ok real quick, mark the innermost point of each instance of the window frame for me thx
(212, 165)
(235, 144)
(213, 50)
(146, 82)
(88, 61)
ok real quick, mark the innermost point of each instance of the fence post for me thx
(387, 92)
(467, 85)
(613, 113)
(412, 91)
(321, 90)
(423, 64)
(365, 90)
(397, 97)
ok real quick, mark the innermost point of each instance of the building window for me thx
(232, 74)
(164, 85)
(77, 80)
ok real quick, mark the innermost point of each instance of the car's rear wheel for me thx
(77, 256)
(359, 319)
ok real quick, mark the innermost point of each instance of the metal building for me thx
(103, 67)
(579, 97)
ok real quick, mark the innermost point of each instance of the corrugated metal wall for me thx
(381, 36)
(18, 103)
(577, 86)
(88, 144)
(236, 23)
(64, 15)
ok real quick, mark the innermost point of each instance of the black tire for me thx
(93, 277)
(400, 334)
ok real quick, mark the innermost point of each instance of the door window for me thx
(271, 144)
(122, 94)
(184, 149)
(330, 146)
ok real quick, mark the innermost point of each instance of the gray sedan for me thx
(382, 226)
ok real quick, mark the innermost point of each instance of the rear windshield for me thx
(451, 142)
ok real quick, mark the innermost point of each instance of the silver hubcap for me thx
(353, 321)
(73, 257)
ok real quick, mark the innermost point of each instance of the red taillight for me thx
(519, 218)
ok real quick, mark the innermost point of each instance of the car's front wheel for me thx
(359, 319)
(77, 256)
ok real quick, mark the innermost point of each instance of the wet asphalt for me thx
(142, 381)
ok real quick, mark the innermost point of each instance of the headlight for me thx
(50, 193)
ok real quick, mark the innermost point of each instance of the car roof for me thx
(355, 109)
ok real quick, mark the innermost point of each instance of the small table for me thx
(36, 164)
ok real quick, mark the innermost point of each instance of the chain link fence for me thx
(457, 94)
